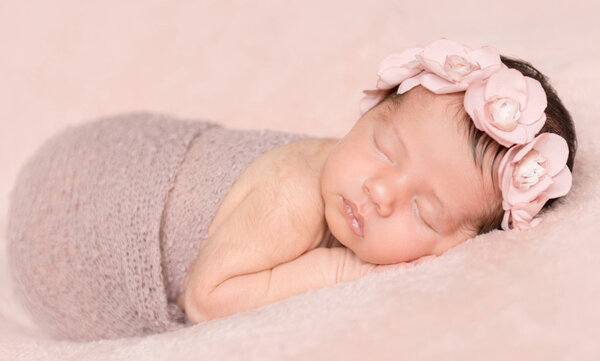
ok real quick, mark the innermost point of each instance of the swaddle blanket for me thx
(106, 217)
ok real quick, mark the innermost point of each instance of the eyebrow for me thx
(388, 111)
(387, 114)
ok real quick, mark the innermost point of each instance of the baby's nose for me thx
(381, 195)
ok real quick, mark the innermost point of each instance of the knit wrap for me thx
(106, 217)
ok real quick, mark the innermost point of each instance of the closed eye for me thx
(419, 217)
(378, 148)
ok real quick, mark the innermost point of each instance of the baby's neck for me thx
(329, 241)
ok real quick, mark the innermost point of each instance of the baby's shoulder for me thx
(298, 161)
(291, 172)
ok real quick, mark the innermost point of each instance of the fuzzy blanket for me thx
(299, 67)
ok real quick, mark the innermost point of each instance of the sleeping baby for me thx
(453, 142)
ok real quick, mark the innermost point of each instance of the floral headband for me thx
(503, 103)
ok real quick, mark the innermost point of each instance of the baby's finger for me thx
(383, 267)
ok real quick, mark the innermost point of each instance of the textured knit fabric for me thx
(106, 217)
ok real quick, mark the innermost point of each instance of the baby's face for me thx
(391, 165)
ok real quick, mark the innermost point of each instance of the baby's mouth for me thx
(354, 218)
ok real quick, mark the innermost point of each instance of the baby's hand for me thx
(347, 266)
(383, 267)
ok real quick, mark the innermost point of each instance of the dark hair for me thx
(558, 121)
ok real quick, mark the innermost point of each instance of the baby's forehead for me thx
(420, 97)
(423, 108)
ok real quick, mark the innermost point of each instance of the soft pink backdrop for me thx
(289, 65)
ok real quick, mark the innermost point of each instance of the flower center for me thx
(458, 67)
(529, 170)
(413, 64)
(504, 113)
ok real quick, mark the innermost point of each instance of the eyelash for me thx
(379, 149)
(419, 217)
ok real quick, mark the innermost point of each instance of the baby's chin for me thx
(364, 254)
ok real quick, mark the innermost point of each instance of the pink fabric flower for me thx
(503, 103)
(529, 175)
(450, 66)
(508, 106)
(393, 69)
(522, 215)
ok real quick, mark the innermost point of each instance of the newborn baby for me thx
(118, 227)
(404, 185)
(388, 192)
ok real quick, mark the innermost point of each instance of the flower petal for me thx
(474, 99)
(434, 56)
(505, 169)
(522, 224)
(562, 183)
(438, 50)
(431, 66)
(439, 85)
(485, 56)
(395, 68)
(532, 129)
(520, 219)
(505, 220)
(482, 74)
(393, 76)
(516, 195)
(404, 59)
(410, 83)
(555, 149)
(522, 214)
(535, 205)
(372, 98)
(523, 149)
(508, 83)
(536, 102)
(506, 139)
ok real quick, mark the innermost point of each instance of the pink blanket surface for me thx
(300, 67)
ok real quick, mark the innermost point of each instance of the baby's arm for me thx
(274, 222)
(314, 269)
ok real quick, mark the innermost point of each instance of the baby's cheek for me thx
(410, 247)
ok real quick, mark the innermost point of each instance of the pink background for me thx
(291, 65)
